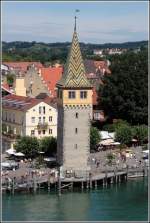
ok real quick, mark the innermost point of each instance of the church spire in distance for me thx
(74, 74)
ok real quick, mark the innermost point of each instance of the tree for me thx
(140, 133)
(94, 137)
(48, 145)
(125, 93)
(28, 145)
(113, 127)
(110, 158)
(123, 134)
(10, 79)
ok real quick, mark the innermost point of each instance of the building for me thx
(74, 111)
(25, 116)
(98, 52)
(21, 66)
(36, 80)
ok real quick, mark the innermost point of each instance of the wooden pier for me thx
(88, 181)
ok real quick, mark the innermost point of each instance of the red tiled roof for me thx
(25, 102)
(5, 86)
(22, 65)
(51, 76)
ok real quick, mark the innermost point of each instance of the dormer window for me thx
(71, 94)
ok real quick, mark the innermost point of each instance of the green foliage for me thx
(48, 145)
(94, 137)
(27, 145)
(113, 127)
(10, 79)
(45, 52)
(125, 93)
(110, 158)
(123, 134)
(140, 133)
(4, 128)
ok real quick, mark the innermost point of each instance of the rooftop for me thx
(21, 103)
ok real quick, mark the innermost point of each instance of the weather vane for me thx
(77, 10)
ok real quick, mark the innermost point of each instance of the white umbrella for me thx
(5, 164)
(115, 143)
(146, 151)
(19, 154)
(11, 151)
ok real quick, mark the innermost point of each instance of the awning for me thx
(11, 151)
(19, 154)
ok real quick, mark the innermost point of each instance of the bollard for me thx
(95, 184)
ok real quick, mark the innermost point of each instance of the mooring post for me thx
(90, 178)
(34, 184)
(103, 182)
(87, 184)
(82, 185)
(13, 186)
(59, 182)
(95, 184)
(111, 180)
(48, 182)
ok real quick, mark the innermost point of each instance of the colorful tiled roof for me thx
(74, 74)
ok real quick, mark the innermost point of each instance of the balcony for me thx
(42, 125)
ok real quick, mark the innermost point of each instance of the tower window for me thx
(76, 130)
(75, 146)
(43, 109)
(71, 94)
(77, 115)
(83, 94)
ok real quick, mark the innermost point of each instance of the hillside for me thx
(44, 52)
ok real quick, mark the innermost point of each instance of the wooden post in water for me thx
(34, 183)
(48, 182)
(13, 186)
(59, 182)
(82, 185)
(87, 184)
(95, 184)
(90, 178)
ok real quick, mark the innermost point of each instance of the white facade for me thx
(38, 117)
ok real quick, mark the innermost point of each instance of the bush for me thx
(94, 137)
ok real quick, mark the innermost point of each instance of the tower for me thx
(74, 112)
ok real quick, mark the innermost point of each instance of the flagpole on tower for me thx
(75, 26)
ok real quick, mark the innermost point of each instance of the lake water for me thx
(126, 202)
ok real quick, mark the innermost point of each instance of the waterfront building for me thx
(74, 113)
(25, 116)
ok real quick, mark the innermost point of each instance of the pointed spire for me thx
(74, 75)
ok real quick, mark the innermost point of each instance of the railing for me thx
(42, 125)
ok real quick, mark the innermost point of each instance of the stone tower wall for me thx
(74, 150)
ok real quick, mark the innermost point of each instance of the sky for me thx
(97, 22)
